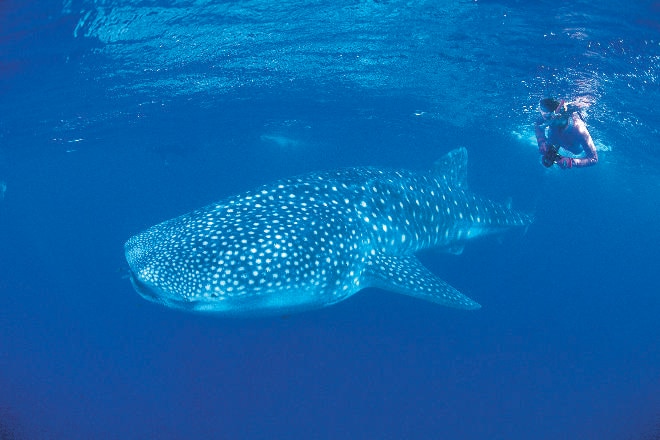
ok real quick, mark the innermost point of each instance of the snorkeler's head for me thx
(548, 104)
(551, 108)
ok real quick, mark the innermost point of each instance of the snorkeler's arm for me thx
(591, 155)
(541, 140)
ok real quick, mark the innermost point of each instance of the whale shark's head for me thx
(160, 271)
(261, 254)
(150, 277)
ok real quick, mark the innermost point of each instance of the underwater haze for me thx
(117, 115)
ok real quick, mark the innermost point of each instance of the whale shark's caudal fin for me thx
(406, 275)
(453, 168)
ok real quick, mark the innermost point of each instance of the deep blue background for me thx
(103, 134)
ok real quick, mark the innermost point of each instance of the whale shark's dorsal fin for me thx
(408, 276)
(453, 168)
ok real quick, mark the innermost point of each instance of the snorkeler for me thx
(568, 142)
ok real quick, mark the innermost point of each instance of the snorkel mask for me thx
(552, 110)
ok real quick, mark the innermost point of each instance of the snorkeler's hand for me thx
(565, 162)
(543, 147)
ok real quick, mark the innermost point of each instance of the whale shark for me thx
(311, 241)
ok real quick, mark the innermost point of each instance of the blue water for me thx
(116, 115)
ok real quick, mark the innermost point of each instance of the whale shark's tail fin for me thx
(406, 275)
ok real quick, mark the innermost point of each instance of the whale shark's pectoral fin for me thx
(406, 275)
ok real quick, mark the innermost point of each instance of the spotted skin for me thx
(311, 241)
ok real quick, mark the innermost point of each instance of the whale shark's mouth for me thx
(152, 293)
(159, 296)
(144, 289)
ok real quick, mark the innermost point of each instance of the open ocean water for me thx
(116, 115)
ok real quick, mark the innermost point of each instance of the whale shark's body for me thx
(314, 240)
